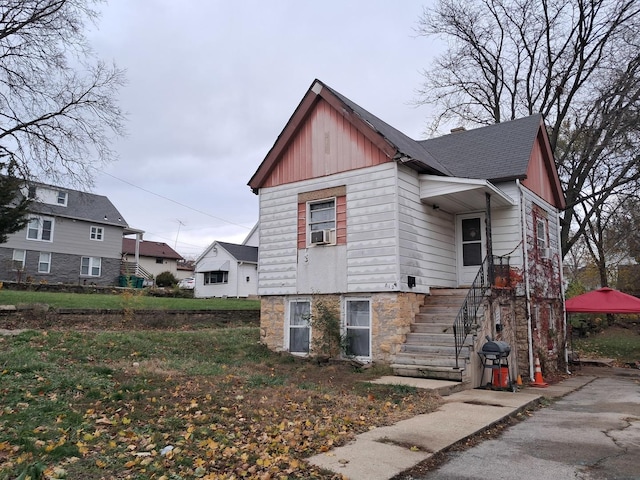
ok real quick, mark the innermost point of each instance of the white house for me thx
(424, 247)
(227, 270)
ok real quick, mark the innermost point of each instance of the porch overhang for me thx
(458, 195)
(213, 266)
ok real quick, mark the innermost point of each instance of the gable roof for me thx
(80, 206)
(150, 249)
(500, 152)
(242, 253)
(496, 152)
(395, 144)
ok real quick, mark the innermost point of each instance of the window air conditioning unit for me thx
(320, 237)
(545, 253)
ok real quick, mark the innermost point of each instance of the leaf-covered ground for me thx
(175, 405)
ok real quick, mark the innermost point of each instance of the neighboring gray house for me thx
(227, 270)
(72, 237)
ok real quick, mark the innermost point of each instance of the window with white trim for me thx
(358, 327)
(40, 228)
(211, 278)
(298, 328)
(62, 198)
(18, 259)
(541, 234)
(97, 233)
(90, 266)
(322, 218)
(44, 262)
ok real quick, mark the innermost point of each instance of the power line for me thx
(173, 201)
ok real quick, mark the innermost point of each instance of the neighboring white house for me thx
(227, 270)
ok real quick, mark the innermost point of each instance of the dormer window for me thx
(62, 198)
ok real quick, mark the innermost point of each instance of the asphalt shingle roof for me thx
(242, 253)
(496, 152)
(80, 206)
(150, 249)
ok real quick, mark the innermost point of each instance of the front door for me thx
(471, 247)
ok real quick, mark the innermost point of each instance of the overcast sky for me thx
(212, 83)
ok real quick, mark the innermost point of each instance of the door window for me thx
(471, 241)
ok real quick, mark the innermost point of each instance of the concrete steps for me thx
(429, 349)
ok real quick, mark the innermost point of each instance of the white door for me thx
(471, 246)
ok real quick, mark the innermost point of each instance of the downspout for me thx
(525, 272)
(562, 294)
(489, 236)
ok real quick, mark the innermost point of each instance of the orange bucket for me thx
(501, 377)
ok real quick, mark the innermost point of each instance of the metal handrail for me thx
(469, 310)
(138, 270)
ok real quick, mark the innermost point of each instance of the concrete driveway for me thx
(592, 433)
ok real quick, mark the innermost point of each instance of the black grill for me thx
(495, 349)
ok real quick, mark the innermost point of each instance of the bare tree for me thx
(58, 108)
(577, 62)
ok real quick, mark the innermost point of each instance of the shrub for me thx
(166, 279)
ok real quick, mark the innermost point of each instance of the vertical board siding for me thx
(537, 179)
(426, 238)
(326, 144)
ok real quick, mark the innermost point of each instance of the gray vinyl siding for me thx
(72, 237)
(426, 236)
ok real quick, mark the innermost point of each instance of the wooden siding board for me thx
(325, 144)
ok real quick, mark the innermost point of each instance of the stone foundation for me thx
(392, 314)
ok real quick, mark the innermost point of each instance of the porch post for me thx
(489, 241)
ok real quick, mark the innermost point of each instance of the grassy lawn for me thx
(616, 342)
(128, 299)
(172, 405)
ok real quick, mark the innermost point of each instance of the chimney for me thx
(458, 129)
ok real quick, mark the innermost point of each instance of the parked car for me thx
(188, 282)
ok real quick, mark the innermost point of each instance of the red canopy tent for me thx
(603, 300)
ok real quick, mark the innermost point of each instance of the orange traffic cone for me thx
(519, 381)
(538, 381)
